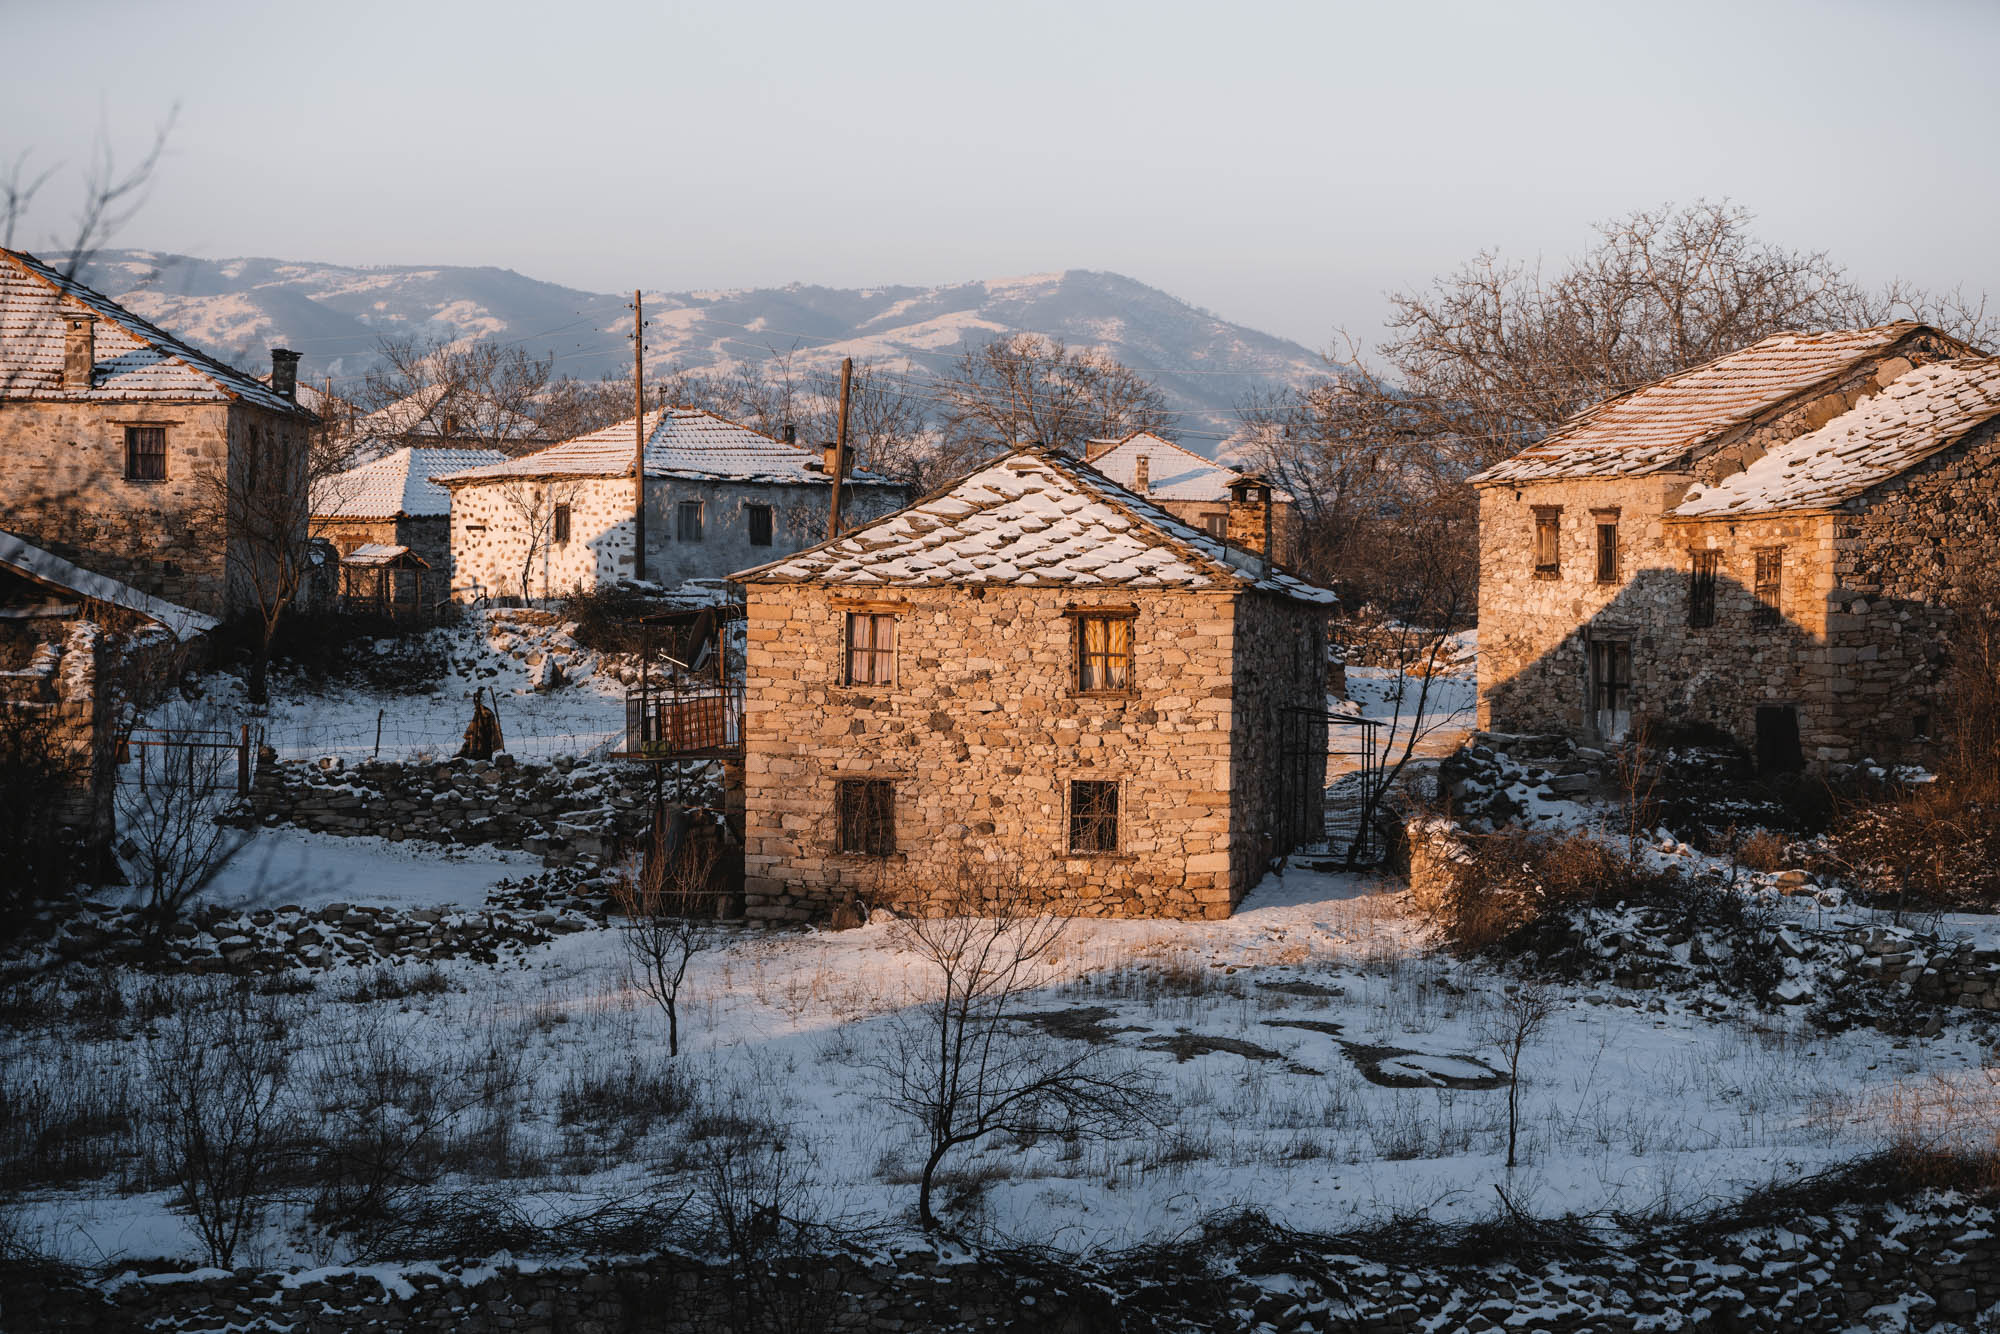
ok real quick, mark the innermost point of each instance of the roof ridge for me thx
(1180, 544)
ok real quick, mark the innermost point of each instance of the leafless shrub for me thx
(956, 1065)
(669, 904)
(1765, 850)
(1518, 1018)
(170, 830)
(40, 850)
(64, 1118)
(1512, 879)
(219, 1066)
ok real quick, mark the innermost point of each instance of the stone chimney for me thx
(79, 349)
(791, 434)
(1095, 449)
(1142, 475)
(829, 459)
(285, 372)
(1250, 516)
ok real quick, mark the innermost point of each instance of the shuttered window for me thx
(1769, 586)
(1701, 588)
(146, 453)
(867, 816)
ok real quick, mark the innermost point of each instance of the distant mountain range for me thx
(335, 315)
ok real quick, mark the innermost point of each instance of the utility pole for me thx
(638, 438)
(840, 448)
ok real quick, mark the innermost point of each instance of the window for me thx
(760, 525)
(1217, 525)
(1093, 817)
(560, 528)
(1104, 652)
(1548, 527)
(146, 453)
(689, 529)
(1607, 551)
(1770, 578)
(867, 816)
(871, 649)
(1701, 587)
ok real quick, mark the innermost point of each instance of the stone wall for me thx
(1920, 1262)
(563, 811)
(1279, 664)
(1284, 521)
(64, 488)
(982, 733)
(490, 533)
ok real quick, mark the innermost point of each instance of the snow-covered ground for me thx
(283, 865)
(1441, 716)
(1319, 1063)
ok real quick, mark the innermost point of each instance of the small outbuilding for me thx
(392, 501)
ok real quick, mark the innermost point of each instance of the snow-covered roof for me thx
(49, 568)
(1912, 418)
(396, 485)
(381, 554)
(1652, 429)
(1175, 473)
(1034, 518)
(680, 442)
(136, 361)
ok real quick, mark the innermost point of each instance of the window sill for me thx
(1076, 856)
(1548, 575)
(146, 481)
(1113, 695)
(871, 856)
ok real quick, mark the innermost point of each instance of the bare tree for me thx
(1521, 1014)
(532, 504)
(168, 813)
(481, 394)
(258, 508)
(957, 1066)
(670, 906)
(1026, 388)
(219, 1067)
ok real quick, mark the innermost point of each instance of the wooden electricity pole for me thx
(840, 448)
(638, 439)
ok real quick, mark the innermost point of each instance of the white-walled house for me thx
(719, 497)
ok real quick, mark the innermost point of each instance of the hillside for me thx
(335, 315)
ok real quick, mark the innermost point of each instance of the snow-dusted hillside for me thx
(335, 315)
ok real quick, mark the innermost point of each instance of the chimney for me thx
(791, 434)
(830, 459)
(1249, 525)
(285, 372)
(79, 349)
(1142, 475)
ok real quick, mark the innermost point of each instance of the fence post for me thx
(243, 761)
(378, 733)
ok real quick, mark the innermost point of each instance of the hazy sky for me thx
(1281, 164)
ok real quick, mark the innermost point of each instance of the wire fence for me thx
(402, 739)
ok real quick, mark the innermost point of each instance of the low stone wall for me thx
(1931, 1262)
(565, 810)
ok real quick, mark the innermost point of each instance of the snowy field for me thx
(1317, 1060)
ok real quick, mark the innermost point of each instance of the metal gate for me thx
(1329, 780)
(202, 759)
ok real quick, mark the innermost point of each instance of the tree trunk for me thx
(260, 665)
(673, 1029)
(924, 1215)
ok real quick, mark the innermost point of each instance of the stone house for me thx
(1036, 671)
(115, 432)
(1193, 489)
(59, 629)
(719, 496)
(1758, 550)
(394, 502)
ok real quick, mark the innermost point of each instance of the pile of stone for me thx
(1925, 1262)
(567, 811)
(517, 917)
(1496, 779)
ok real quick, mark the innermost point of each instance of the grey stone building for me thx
(719, 496)
(115, 434)
(392, 501)
(1037, 672)
(1761, 549)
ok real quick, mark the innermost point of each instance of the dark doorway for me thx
(1611, 688)
(1778, 740)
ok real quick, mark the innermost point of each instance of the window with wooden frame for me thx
(146, 453)
(1769, 587)
(559, 526)
(1217, 525)
(1607, 547)
(871, 649)
(760, 525)
(1104, 652)
(1701, 587)
(867, 816)
(1093, 816)
(1548, 541)
(688, 522)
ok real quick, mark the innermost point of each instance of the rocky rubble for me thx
(568, 811)
(1496, 780)
(517, 915)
